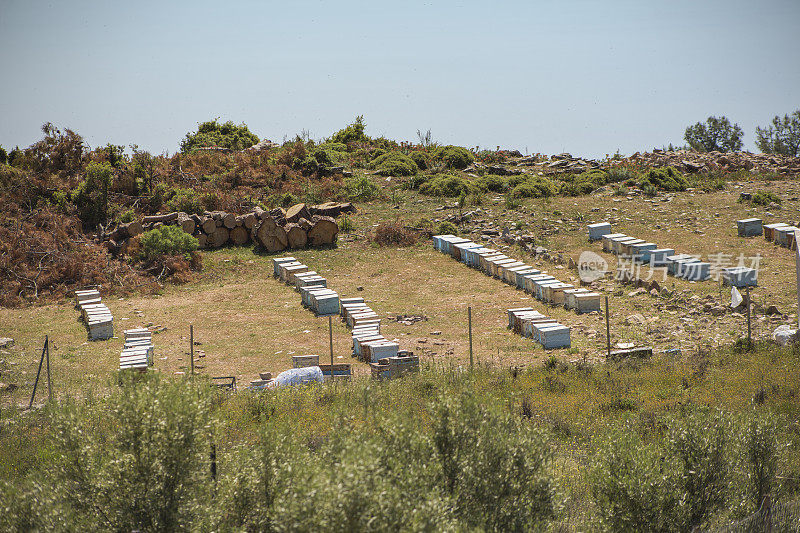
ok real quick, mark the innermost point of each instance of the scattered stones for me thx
(6, 342)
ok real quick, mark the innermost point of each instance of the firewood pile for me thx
(294, 228)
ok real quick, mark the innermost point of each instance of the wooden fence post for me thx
(469, 319)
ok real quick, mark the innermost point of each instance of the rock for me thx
(784, 335)
(717, 310)
(637, 292)
(653, 292)
(6, 342)
(772, 310)
(654, 286)
(635, 320)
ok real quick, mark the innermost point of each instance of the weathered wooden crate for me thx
(324, 305)
(673, 260)
(305, 281)
(377, 350)
(398, 366)
(86, 297)
(346, 301)
(485, 265)
(101, 329)
(626, 247)
(539, 325)
(336, 371)
(697, 271)
(740, 277)
(588, 302)
(769, 230)
(307, 292)
(361, 319)
(532, 283)
(557, 336)
(448, 242)
(519, 276)
(532, 324)
(569, 296)
(596, 231)
(658, 257)
(541, 288)
(641, 251)
(491, 263)
(609, 239)
(134, 359)
(508, 272)
(359, 340)
(783, 235)
(282, 269)
(278, 261)
(618, 245)
(302, 361)
(499, 267)
(750, 227)
(289, 273)
(512, 313)
(458, 249)
(554, 294)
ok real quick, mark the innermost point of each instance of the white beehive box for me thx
(278, 261)
(382, 349)
(303, 361)
(542, 285)
(460, 248)
(569, 297)
(749, 227)
(345, 301)
(532, 282)
(782, 235)
(618, 245)
(554, 294)
(499, 267)
(672, 261)
(325, 305)
(354, 309)
(740, 277)
(491, 263)
(509, 271)
(531, 325)
(626, 247)
(609, 239)
(307, 293)
(681, 266)
(282, 269)
(367, 317)
(311, 280)
(641, 251)
(588, 302)
(769, 230)
(292, 271)
(699, 271)
(596, 231)
(360, 340)
(520, 276)
(658, 257)
(514, 312)
(448, 242)
(485, 261)
(555, 337)
(89, 296)
(134, 358)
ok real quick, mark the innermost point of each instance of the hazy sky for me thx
(588, 77)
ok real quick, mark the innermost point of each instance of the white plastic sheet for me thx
(783, 335)
(299, 376)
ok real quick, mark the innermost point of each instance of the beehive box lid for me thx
(599, 225)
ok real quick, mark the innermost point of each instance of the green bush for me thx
(763, 198)
(717, 134)
(185, 200)
(664, 179)
(3, 156)
(454, 157)
(446, 228)
(361, 187)
(286, 199)
(329, 154)
(127, 216)
(617, 174)
(534, 187)
(91, 196)
(492, 182)
(416, 182)
(422, 159)
(166, 240)
(394, 164)
(351, 133)
(782, 137)
(212, 133)
(446, 185)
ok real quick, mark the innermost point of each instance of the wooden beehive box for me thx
(381, 350)
(360, 340)
(641, 251)
(557, 336)
(569, 297)
(89, 296)
(512, 313)
(458, 249)
(402, 365)
(626, 247)
(541, 287)
(749, 227)
(697, 271)
(500, 267)
(740, 277)
(307, 292)
(531, 325)
(782, 235)
(302, 361)
(485, 261)
(618, 245)
(555, 293)
(278, 261)
(325, 305)
(672, 261)
(658, 257)
(769, 230)
(291, 271)
(609, 239)
(345, 301)
(588, 302)
(596, 231)
(532, 283)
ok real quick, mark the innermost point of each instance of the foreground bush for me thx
(446, 185)
(166, 240)
(664, 179)
(534, 187)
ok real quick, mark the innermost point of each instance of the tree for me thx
(351, 133)
(3, 156)
(212, 133)
(782, 137)
(716, 135)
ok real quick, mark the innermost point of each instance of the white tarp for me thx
(783, 335)
(298, 376)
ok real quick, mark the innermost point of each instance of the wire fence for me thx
(781, 518)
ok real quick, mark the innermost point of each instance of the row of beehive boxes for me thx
(532, 324)
(95, 314)
(137, 352)
(780, 233)
(313, 288)
(385, 357)
(539, 284)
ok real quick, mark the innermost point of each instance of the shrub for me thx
(91, 197)
(286, 199)
(446, 228)
(664, 179)
(185, 200)
(212, 133)
(782, 137)
(351, 133)
(3, 156)
(617, 174)
(329, 154)
(416, 182)
(717, 134)
(760, 458)
(394, 164)
(127, 216)
(422, 159)
(763, 198)
(446, 185)
(454, 157)
(166, 240)
(361, 187)
(393, 234)
(492, 182)
(534, 187)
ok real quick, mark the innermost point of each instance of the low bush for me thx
(534, 187)
(393, 234)
(446, 185)
(446, 228)
(91, 197)
(664, 179)
(394, 164)
(454, 157)
(764, 198)
(185, 200)
(226, 135)
(361, 187)
(166, 240)
(329, 154)
(422, 159)
(492, 182)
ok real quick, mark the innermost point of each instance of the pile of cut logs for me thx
(296, 227)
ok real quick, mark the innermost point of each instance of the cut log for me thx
(169, 217)
(249, 220)
(219, 237)
(297, 237)
(209, 226)
(332, 209)
(259, 213)
(229, 220)
(324, 231)
(134, 228)
(270, 236)
(296, 212)
(202, 241)
(278, 212)
(186, 223)
(239, 235)
(305, 224)
(123, 231)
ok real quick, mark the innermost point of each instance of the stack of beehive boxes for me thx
(313, 288)
(546, 331)
(137, 353)
(514, 272)
(95, 314)
(679, 265)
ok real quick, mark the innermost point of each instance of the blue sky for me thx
(588, 77)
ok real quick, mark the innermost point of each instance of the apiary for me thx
(769, 230)
(740, 277)
(303, 361)
(596, 231)
(520, 276)
(278, 261)
(588, 302)
(641, 251)
(749, 227)
(609, 239)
